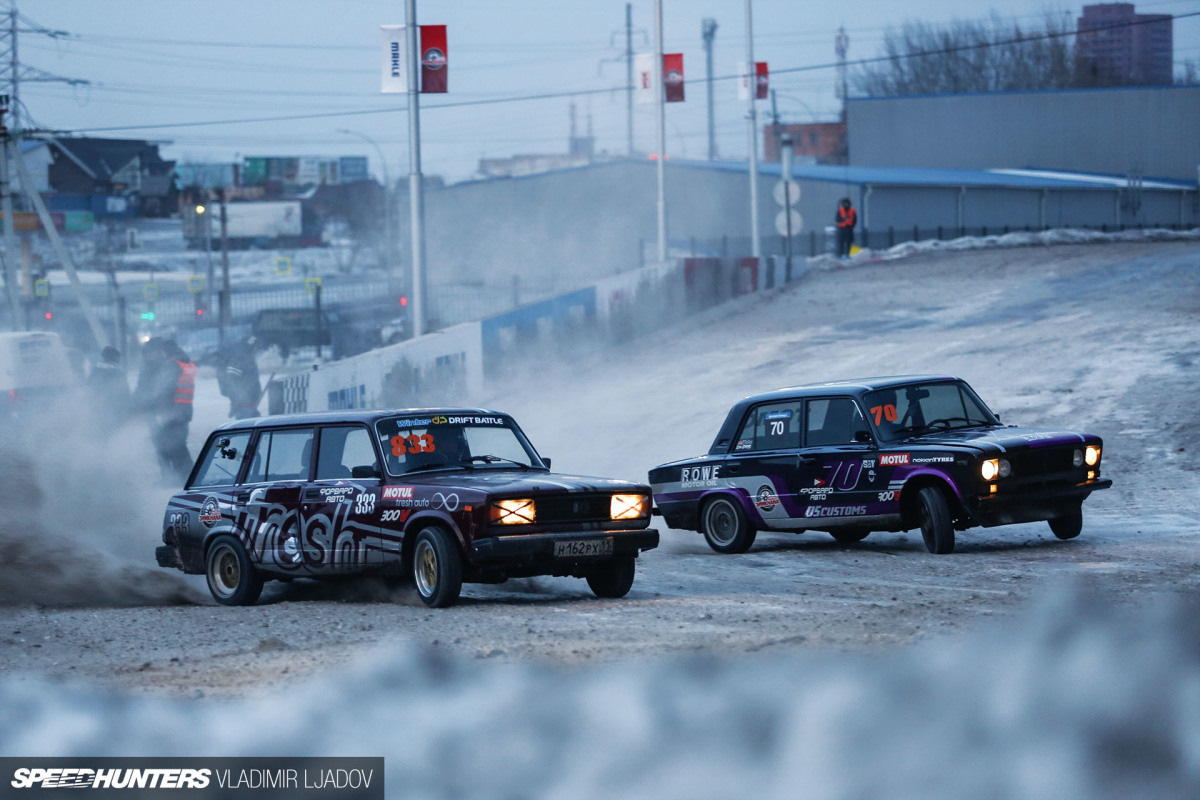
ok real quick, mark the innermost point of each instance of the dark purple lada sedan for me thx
(878, 454)
(442, 495)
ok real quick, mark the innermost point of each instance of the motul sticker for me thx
(893, 459)
(397, 492)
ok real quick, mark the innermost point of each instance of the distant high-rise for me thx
(1116, 45)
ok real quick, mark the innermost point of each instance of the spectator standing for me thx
(166, 389)
(847, 218)
(237, 377)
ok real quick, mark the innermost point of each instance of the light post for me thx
(389, 243)
(202, 212)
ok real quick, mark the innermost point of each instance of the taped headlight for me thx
(629, 506)
(514, 512)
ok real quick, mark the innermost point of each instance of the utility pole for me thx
(10, 239)
(752, 129)
(13, 73)
(708, 29)
(226, 295)
(841, 46)
(629, 77)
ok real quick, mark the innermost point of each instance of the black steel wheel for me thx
(232, 579)
(725, 526)
(1067, 527)
(612, 578)
(437, 568)
(937, 529)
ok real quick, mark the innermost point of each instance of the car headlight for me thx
(1077, 458)
(1091, 455)
(995, 468)
(514, 512)
(629, 506)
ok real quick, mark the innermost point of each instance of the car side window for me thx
(346, 452)
(832, 421)
(774, 426)
(222, 460)
(282, 455)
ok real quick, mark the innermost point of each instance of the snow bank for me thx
(1017, 239)
(1064, 701)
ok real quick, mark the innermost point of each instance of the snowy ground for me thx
(1020, 666)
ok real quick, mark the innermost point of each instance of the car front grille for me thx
(572, 508)
(1046, 465)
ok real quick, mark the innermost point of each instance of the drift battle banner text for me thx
(153, 778)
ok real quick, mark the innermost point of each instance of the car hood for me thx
(998, 438)
(510, 481)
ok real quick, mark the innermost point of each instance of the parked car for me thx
(445, 495)
(878, 454)
(35, 372)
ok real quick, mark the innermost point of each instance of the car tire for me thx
(725, 527)
(613, 578)
(437, 568)
(1067, 527)
(232, 579)
(850, 535)
(937, 529)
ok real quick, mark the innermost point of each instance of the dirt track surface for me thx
(1098, 337)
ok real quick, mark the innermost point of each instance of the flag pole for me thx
(416, 201)
(752, 127)
(661, 88)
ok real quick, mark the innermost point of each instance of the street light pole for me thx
(752, 128)
(416, 200)
(661, 100)
(388, 228)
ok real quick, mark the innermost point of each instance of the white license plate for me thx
(583, 548)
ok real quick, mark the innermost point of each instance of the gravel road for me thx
(1096, 337)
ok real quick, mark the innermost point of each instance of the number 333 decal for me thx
(412, 444)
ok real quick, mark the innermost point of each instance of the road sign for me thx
(781, 222)
(793, 193)
(41, 288)
(283, 265)
(312, 285)
(195, 284)
(150, 292)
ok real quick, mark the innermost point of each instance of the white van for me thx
(34, 367)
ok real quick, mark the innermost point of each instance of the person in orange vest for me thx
(847, 218)
(166, 389)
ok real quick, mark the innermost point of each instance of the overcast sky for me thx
(159, 67)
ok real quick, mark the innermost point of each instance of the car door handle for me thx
(806, 460)
(733, 468)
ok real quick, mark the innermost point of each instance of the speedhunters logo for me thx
(77, 778)
(282, 778)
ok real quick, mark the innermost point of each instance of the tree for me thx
(971, 56)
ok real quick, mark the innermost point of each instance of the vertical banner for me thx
(433, 59)
(643, 78)
(743, 71)
(673, 76)
(393, 78)
(761, 81)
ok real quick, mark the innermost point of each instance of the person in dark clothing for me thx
(846, 219)
(108, 388)
(166, 389)
(237, 377)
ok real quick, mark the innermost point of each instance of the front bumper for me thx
(1027, 505)
(534, 554)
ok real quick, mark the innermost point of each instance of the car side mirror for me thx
(546, 461)
(367, 471)
(862, 437)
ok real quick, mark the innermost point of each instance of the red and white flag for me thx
(673, 76)
(643, 78)
(433, 59)
(760, 80)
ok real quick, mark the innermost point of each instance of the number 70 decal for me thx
(887, 412)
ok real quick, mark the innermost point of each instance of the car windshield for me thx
(419, 443)
(902, 411)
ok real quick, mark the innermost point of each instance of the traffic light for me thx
(49, 315)
(148, 315)
(403, 301)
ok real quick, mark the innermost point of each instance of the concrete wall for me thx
(1154, 130)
